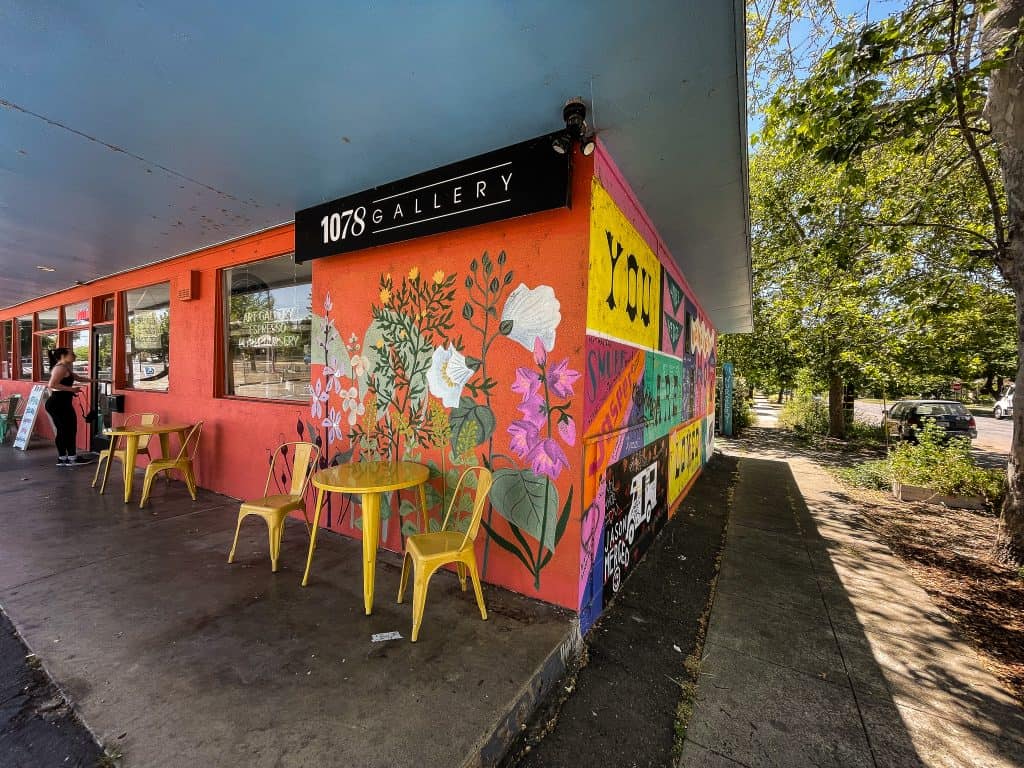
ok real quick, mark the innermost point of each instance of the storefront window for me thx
(25, 348)
(47, 320)
(79, 341)
(267, 317)
(147, 341)
(7, 349)
(76, 315)
(44, 343)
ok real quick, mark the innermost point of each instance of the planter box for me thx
(905, 492)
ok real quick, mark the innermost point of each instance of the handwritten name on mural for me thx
(619, 537)
(624, 290)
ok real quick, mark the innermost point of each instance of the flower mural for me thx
(448, 374)
(412, 388)
(531, 314)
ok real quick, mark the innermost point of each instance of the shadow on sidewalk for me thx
(803, 667)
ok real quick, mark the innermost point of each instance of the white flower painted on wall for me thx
(530, 314)
(448, 374)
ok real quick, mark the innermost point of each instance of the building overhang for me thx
(131, 135)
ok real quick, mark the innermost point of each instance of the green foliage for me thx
(805, 413)
(742, 412)
(875, 475)
(945, 465)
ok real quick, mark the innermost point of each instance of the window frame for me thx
(16, 371)
(120, 373)
(222, 346)
(7, 348)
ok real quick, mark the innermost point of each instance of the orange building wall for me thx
(546, 249)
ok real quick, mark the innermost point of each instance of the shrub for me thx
(945, 465)
(875, 475)
(742, 413)
(805, 413)
(863, 431)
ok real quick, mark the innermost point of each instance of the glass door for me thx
(102, 367)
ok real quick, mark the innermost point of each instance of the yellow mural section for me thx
(624, 294)
(684, 458)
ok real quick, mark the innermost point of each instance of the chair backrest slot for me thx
(305, 458)
(190, 444)
(483, 488)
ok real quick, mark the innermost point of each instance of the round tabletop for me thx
(147, 429)
(371, 476)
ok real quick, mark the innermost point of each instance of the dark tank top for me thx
(60, 394)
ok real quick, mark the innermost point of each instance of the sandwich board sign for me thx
(28, 419)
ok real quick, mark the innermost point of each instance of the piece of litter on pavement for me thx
(678, 649)
(380, 637)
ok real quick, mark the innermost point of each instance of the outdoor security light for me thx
(561, 144)
(574, 112)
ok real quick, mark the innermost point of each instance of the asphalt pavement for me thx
(993, 436)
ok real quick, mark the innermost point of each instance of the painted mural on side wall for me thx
(648, 402)
(453, 370)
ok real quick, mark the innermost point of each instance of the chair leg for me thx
(147, 486)
(404, 580)
(190, 481)
(419, 599)
(461, 568)
(272, 536)
(231, 554)
(471, 567)
(96, 477)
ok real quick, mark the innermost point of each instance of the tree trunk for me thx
(988, 388)
(782, 391)
(836, 415)
(1005, 113)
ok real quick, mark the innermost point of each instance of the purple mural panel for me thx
(606, 361)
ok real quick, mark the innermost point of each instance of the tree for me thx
(916, 82)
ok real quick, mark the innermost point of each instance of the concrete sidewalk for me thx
(176, 658)
(822, 650)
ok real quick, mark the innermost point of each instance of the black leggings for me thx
(65, 420)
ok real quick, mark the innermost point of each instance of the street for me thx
(993, 436)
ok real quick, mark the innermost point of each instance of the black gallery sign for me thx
(517, 180)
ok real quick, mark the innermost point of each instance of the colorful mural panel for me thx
(663, 395)
(455, 367)
(636, 508)
(641, 382)
(624, 291)
(685, 456)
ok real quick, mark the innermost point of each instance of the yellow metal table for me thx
(370, 479)
(131, 435)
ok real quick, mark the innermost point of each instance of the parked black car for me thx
(906, 417)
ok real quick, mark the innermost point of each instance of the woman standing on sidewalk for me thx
(59, 405)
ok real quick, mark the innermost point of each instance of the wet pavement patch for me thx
(621, 707)
(37, 726)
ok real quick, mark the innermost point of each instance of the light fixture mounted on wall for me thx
(575, 115)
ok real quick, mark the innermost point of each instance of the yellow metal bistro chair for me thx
(275, 507)
(183, 463)
(143, 419)
(430, 551)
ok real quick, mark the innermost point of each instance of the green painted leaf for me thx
(507, 545)
(528, 501)
(471, 412)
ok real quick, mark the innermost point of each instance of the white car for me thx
(1004, 405)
